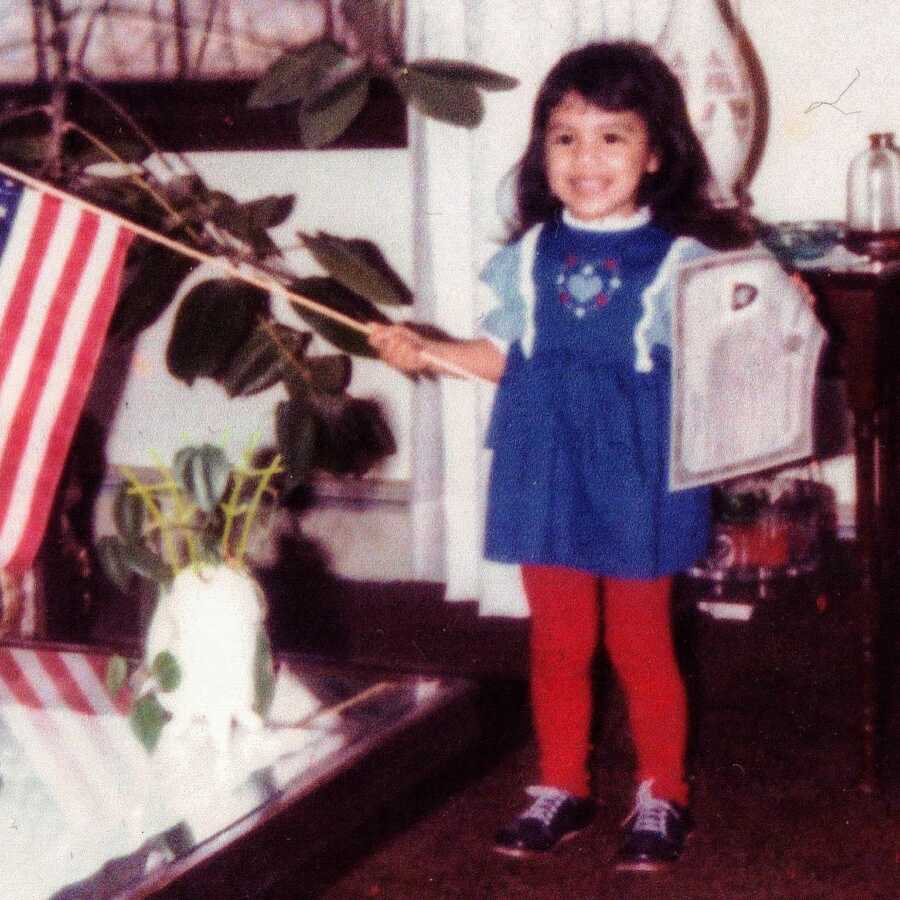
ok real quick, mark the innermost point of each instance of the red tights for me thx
(564, 635)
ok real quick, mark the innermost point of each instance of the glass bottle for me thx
(873, 199)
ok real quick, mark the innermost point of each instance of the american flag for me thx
(73, 773)
(71, 731)
(60, 266)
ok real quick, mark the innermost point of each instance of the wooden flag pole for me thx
(254, 276)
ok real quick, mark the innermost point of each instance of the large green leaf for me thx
(127, 151)
(27, 149)
(352, 434)
(122, 195)
(295, 74)
(147, 720)
(116, 674)
(166, 670)
(146, 563)
(358, 12)
(128, 514)
(429, 331)
(150, 280)
(295, 432)
(329, 373)
(332, 294)
(190, 187)
(358, 265)
(270, 211)
(441, 97)
(375, 26)
(267, 356)
(213, 321)
(248, 221)
(202, 473)
(469, 73)
(223, 210)
(111, 553)
(326, 117)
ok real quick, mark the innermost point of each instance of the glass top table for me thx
(86, 812)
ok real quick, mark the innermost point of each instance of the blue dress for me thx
(580, 436)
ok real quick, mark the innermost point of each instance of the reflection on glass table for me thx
(86, 812)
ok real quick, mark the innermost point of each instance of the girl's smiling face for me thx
(595, 158)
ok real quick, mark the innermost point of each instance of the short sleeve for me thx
(655, 325)
(503, 319)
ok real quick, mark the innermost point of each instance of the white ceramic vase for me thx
(210, 620)
(707, 57)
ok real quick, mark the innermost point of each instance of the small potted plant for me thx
(207, 658)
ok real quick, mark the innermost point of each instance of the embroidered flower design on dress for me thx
(586, 287)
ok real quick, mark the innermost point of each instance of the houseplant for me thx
(226, 328)
(207, 656)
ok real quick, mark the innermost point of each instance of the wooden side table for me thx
(860, 307)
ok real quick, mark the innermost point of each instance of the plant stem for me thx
(139, 180)
(59, 44)
(145, 492)
(265, 476)
(37, 23)
(232, 509)
(140, 133)
(284, 352)
(184, 516)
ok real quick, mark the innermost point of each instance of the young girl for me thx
(611, 198)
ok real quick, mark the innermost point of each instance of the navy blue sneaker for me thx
(554, 816)
(654, 833)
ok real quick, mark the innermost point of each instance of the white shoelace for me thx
(547, 802)
(649, 813)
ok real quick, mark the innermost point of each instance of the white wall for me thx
(810, 52)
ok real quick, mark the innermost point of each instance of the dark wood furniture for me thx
(860, 306)
(211, 114)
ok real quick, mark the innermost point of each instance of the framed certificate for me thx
(746, 346)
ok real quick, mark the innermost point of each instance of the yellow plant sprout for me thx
(181, 511)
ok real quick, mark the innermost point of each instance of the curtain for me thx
(461, 184)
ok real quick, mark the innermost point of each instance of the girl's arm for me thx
(403, 349)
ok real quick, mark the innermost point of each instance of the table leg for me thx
(869, 592)
(889, 540)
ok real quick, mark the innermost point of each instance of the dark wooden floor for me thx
(774, 764)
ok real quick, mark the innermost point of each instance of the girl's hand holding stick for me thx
(401, 347)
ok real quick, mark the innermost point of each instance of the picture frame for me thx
(746, 347)
(184, 74)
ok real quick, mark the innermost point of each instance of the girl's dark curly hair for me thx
(626, 75)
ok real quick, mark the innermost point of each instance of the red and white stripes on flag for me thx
(60, 267)
(73, 736)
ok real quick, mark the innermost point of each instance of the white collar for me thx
(609, 223)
